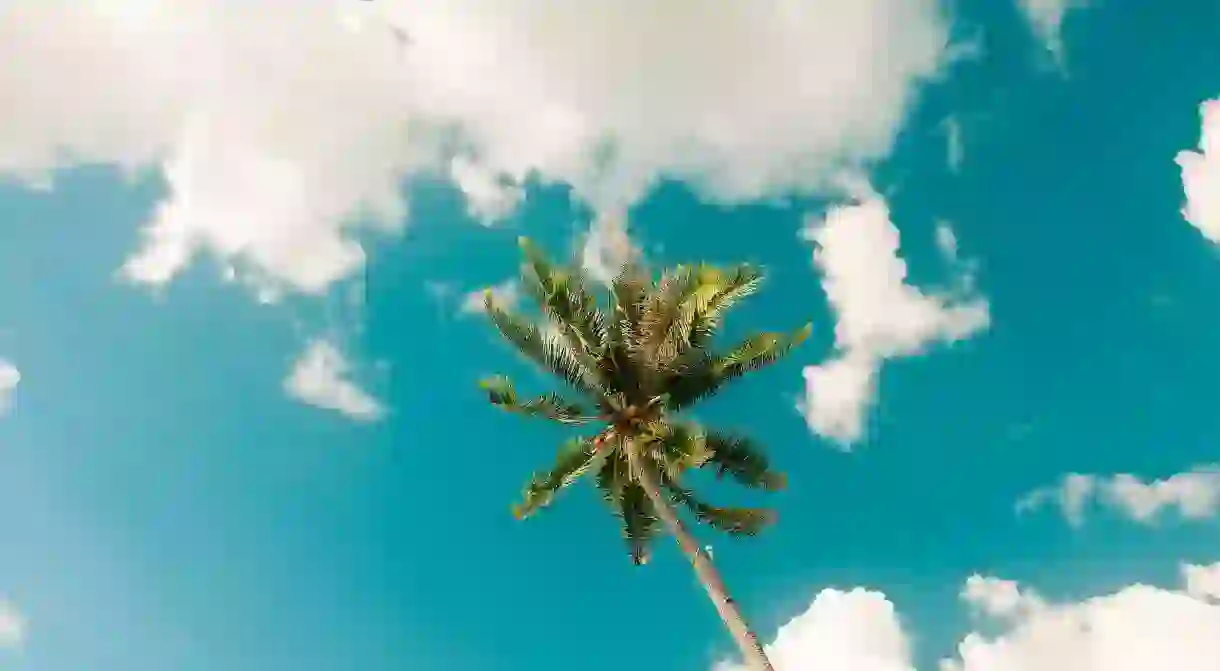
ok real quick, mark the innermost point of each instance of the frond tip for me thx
(502, 393)
(734, 521)
(575, 458)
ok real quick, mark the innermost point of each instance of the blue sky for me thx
(239, 421)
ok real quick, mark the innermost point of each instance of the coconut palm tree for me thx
(638, 361)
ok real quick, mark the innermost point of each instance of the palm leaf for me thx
(716, 295)
(502, 393)
(627, 295)
(563, 297)
(676, 447)
(665, 321)
(545, 350)
(741, 459)
(640, 523)
(709, 372)
(735, 521)
(575, 458)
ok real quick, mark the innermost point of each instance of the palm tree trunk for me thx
(751, 651)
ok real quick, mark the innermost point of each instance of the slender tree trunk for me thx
(751, 651)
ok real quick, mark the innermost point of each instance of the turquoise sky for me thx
(167, 503)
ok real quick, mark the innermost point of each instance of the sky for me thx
(243, 244)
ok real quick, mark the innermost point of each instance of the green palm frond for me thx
(545, 350)
(717, 293)
(735, 521)
(576, 457)
(640, 522)
(613, 474)
(709, 373)
(628, 292)
(502, 393)
(665, 321)
(564, 298)
(677, 446)
(741, 459)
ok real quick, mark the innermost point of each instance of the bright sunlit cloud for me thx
(879, 315)
(284, 130)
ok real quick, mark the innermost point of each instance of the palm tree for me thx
(639, 362)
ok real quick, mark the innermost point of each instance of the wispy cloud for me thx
(879, 316)
(1045, 18)
(321, 378)
(608, 247)
(1194, 494)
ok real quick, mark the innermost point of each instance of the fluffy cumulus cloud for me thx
(1138, 628)
(1045, 18)
(1201, 175)
(283, 129)
(856, 630)
(12, 625)
(321, 378)
(10, 377)
(879, 315)
(1192, 495)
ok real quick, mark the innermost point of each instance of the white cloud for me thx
(608, 247)
(505, 294)
(1071, 495)
(1139, 628)
(10, 377)
(320, 377)
(879, 316)
(488, 198)
(1045, 18)
(1201, 175)
(1193, 495)
(12, 625)
(841, 631)
(996, 597)
(1202, 582)
(283, 129)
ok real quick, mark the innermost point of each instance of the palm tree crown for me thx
(638, 359)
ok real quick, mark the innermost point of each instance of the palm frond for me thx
(717, 293)
(627, 295)
(743, 460)
(677, 446)
(502, 393)
(545, 350)
(613, 474)
(575, 458)
(735, 521)
(564, 298)
(707, 374)
(666, 318)
(640, 522)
